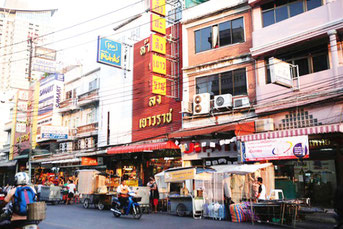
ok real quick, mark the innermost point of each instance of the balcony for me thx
(87, 130)
(8, 126)
(314, 87)
(88, 98)
(313, 23)
(68, 105)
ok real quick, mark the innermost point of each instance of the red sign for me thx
(88, 161)
(154, 115)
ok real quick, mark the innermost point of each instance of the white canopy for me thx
(240, 169)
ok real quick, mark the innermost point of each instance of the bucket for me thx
(36, 211)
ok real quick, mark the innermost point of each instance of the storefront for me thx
(307, 160)
(136, 163)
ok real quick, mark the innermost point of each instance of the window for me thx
(226, 33)
(280, 10)
(231, 82)
(309, 61)
(93, 85)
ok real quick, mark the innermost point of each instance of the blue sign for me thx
(54, 136)
(109, 52)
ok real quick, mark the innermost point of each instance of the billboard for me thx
(109, 52)
(276, 149)
(54, 132)
(45, 53)
(280, 72)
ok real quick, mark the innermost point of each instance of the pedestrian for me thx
(39, 190)
(154, 196)
(71, 191)
(338, 206)
(261, 189)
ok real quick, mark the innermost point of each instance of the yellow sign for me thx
(35, 115)
(159, 64)
(158, 44)
(158, 24)
(14, 124)
(159, 85)
(179, 175)
(158, 6)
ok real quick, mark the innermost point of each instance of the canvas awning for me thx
(322, 129)
(142, 148)
(238, 128)
(8, 163)
(240, 169)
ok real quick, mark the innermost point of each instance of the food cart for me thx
(51, 194)
(183, 188)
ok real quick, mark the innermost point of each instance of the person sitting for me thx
(123, 194)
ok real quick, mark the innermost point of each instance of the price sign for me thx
(158, 44)
(159, 64)
(159, 85)
(158, 24)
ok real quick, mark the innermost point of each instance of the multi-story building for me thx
(218, 81)
(297, 46)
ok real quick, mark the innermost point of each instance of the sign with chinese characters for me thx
(159, 85)
(159, 64)
(158, 7)
(109, 52)
(158, 44)
(276, 149)
(158, 24)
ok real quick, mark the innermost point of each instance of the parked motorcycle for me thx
(132, 207)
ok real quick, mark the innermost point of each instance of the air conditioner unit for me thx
(186, 107)
(201, 104)
(263, 125)
(222, 101)
(241, 103)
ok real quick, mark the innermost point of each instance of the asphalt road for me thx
(76, 217)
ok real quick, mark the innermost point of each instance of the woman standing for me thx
(153, 193)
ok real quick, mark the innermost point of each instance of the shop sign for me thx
(42, 65)
(159, 64)
(179, 175)
(276, 149)
(158, 6)
(109, 52)
(220, 161)
(159, 85)
(156, 120)
(317, 143)
(54, 132)
(88, 161)
(20, 127)
(45, 53)
(50, 93)
(158, 24)
(280, 72)
(158, 44)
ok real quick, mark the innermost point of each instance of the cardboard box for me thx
(87, 181)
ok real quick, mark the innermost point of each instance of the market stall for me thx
(183, 188)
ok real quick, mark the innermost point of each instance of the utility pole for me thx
(30, 123)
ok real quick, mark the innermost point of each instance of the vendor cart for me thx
(98, 200)
(184, 188)
(51, 194)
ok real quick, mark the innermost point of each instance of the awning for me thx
(142, 148)
(54, 158)
(24, 156)
(8, 163)
(323, 129)
(240, 169)
(73, 160)
(239, 128)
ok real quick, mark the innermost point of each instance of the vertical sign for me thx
(159, 64)
(159, 85)
(158, 24)
(158, 44)
(158, 7)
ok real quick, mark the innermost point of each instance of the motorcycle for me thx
(131, 207)
(5, 219)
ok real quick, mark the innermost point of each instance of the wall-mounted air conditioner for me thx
(201, 103)
(222, 101)
(242, 102)
(263, 125)
(186, 107)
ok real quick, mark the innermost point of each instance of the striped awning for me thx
(322, 129)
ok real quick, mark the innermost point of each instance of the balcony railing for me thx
(68, 104)
(87, 130)
(89, 97)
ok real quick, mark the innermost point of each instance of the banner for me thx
(276, 149)
(179, 175)
(88, 161)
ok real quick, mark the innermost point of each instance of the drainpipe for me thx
(334, 54)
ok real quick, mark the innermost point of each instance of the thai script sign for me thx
(158, 44)
(158, 7)
(109, 52)
(159, 64)
(276, 149)
(159, 85)
(179, 175)
(156, 120)
(54, 132)
(158, 24)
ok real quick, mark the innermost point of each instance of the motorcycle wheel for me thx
(136, 212)
(116, 214)
(86, 203)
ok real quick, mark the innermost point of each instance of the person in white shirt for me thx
(39, 190)
(71, 191)
(261, 189)
(123, 193)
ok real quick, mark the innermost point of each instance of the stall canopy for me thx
(240, 169)
(8, 163)
(142, 148)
